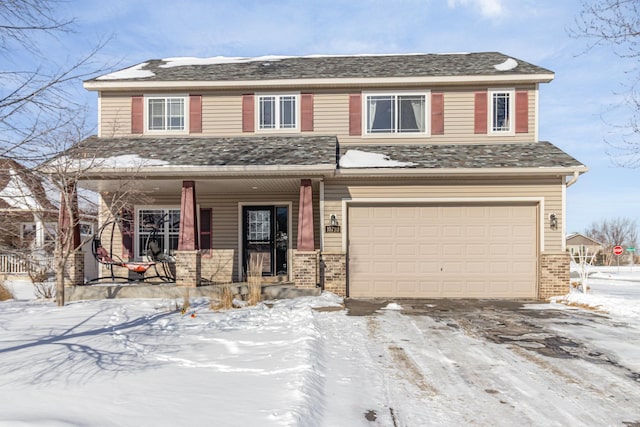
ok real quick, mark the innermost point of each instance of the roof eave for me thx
(322, 170)
(442, 172)
(98, 85)
(180, 171)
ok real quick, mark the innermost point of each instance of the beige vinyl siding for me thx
(331, 114)
(222, 116)
(550, 190)
(115, 114)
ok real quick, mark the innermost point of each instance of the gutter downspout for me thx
(576, 175)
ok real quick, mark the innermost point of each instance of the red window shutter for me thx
(127, 228)
(355, 114)
(248, 112)
(137, 114)
(437, 114)
(195, 113)
(480, 114)
(206, 241)
(522, 111)
(306, 112)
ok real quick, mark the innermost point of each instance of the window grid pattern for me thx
(165, 223)
(259, 226)
(277, 112)
(166, 113)
(500, 119)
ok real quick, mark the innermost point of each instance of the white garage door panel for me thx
(443, 251)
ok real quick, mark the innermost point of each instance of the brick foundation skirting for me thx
(554, 274)
(74, 269)
(305, 269)
(188, 268)
(333, 272)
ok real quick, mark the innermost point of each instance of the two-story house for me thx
(371, 175)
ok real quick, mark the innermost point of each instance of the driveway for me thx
(481, 362)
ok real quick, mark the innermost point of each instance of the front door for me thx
(265, 239)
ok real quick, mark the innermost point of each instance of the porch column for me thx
(188, 237)
(188, 260)
(38, 244)
(69, 236)
(305, 217)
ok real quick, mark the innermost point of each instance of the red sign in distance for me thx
(617, 250)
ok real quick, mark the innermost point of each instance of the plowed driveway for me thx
(493, 363)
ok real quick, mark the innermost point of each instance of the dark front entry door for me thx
(265, 236)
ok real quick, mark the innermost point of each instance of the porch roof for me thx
(474, 156)
(310, 155)
(230, 152)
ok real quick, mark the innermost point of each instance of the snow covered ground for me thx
(288, 363)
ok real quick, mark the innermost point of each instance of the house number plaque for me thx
(332, 229)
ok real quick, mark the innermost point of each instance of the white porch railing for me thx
(20, 264)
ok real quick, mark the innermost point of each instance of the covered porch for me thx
(214, 227)
(217, 205)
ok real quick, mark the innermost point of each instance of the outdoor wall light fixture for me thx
(333, 221)
(553, 221)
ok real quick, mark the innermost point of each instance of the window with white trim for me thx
(396, 113)
(277, 111)
(161, 224)
(501, 107)
(166, 113)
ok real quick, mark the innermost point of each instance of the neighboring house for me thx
(577, 242)
(370, 175)
(29, 219)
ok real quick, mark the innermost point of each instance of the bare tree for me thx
(39, 117)
(616, 23)
(35, 99)
(609, 233)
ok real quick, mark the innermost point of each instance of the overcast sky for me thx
(575, 109)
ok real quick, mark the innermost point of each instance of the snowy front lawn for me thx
(144, 363)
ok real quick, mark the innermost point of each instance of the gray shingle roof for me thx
(355, 66)
(437, 156)
(235, 151)
(321, 150)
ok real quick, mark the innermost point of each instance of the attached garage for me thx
(452, 250)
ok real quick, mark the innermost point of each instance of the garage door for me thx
(443, 251)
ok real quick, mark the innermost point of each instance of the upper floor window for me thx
(395, 113)
(277, 111)
(166, 113)
(501, 110)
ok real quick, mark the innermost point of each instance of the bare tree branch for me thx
(616, 23)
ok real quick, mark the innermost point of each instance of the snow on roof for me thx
(507, 65)
(364, 159)
(135, 72)
(184, 61)
(17, 193)
(126, 161)
(122, 161)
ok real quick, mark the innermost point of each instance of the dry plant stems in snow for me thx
(225, 298)
(254, 278)
(186, 301)
(5, 294)
(42, 286)
(583, 260)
